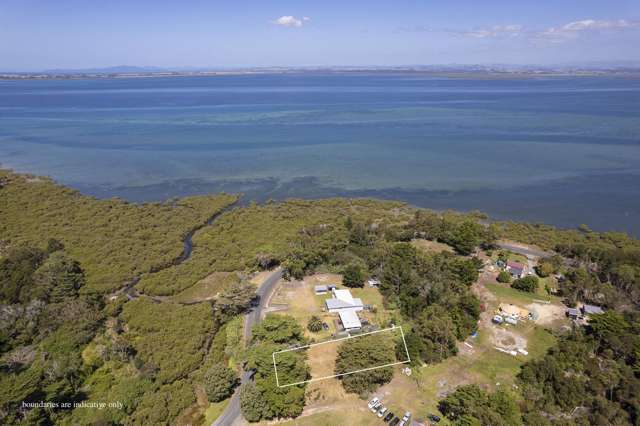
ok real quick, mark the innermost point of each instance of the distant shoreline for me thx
(441, 73)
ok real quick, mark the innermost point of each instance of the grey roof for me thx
(341, 304)
(573, 311)
(592, 309)
(321, 288)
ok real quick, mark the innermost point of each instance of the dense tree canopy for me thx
(266, 400)
(469, 405)
(528, 284)
(594, 375)
(219, 382)
(353, 275)
(504, 277)
(365, 352)
(281, 329)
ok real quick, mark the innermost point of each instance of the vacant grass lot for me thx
(429, 246)
(207, 288)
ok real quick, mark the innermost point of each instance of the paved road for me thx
(231, 414)
(525, 251)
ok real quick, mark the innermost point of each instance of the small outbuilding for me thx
(591, 310)
(572, 313)
(321, 289)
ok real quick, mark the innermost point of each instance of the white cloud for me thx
(511, 30)
(291, 21)
(496, 31)
(574, 29)
(566, 32)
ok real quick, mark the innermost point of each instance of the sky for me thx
(64, 34)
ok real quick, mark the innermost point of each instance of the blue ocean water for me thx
(558, 150)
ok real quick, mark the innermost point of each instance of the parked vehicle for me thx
(388, 417)
(373, 402)
(325, 326)
(403, 423)
(406, 417)
(433, 418)
(394, 422)
(382, 411)
(376, 406)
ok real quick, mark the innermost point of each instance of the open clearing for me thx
(429, 246)
(207, 288)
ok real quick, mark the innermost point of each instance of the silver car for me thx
(382, 411)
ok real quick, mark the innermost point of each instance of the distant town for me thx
(479, 71)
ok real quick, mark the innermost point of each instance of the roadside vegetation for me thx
(263, 399)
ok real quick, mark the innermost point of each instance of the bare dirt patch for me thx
(548, 314)
(505, 338)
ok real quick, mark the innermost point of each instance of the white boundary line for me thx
(273, 355)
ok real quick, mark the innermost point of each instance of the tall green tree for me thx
(219, 382)
(466, 237)
(365, 352)
(59, 278)
(528, 284)
(437, 331)
(470, 405)
(353, 275)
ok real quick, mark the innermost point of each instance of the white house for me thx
(349, 319)
(343, 300)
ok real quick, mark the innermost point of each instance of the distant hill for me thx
(119, 69)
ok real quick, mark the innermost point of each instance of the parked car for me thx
(376, 406)
(394, 422)
(403, 423)
(388, 417)
(382, 411)
(433, 418)
(373, 402)
(406, 417)
(325, 325)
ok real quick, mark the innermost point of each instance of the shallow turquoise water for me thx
(560, 150)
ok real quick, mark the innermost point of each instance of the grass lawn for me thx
(510, 295)
(214, 410)
(371, 296)
(484, 366)
(429, 246)
(347, 417)
(207, 288)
